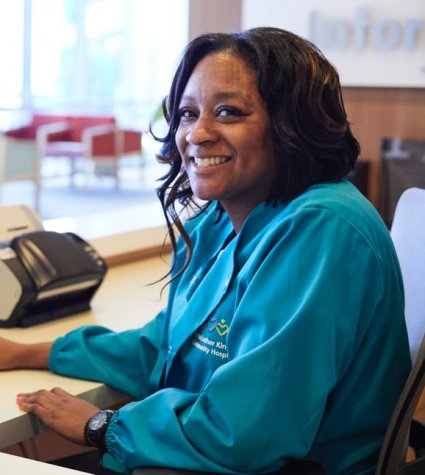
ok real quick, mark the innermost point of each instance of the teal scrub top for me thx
(285, 341)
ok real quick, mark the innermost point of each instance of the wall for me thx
(214, 16)
(384, 112)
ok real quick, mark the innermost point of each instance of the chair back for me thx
(78, 124)
(41, 119)
(408, 234)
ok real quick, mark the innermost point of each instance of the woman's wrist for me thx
(34, 355)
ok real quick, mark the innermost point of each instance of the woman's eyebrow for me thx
(187, 98)
(221, 96)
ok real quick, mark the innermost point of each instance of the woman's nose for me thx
(201, 131)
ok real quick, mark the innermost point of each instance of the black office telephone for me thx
(45, 275)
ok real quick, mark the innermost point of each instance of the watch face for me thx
(98, 420)
(95, 429)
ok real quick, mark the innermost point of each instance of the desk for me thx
(11, 464)
(124, 301)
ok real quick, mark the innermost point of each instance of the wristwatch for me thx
(95, 429)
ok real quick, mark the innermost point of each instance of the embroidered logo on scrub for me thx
(209, 341)
(221, 327)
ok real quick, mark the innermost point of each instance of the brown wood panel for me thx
(376, 113)
(131, 256)
(219, 15)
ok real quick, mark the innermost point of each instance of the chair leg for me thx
(87, 172)
(73, 170)
(117, 174)
(37, 196)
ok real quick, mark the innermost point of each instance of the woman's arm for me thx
(130, 361)
(15, 355)
(58, 409)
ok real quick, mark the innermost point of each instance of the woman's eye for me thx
(228, 111)
(186, 113)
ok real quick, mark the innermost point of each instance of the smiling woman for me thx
(270, 333)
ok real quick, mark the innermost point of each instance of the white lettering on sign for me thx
(385, 34)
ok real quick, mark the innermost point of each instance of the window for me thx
(11, 57)
(94, 56)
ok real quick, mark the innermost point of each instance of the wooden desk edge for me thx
(139, 254)
(15, 464)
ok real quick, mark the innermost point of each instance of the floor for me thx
(100, 207)
(116, 217)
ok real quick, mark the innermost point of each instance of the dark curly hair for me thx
(312, 137)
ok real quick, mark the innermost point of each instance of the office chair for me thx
(408, 234)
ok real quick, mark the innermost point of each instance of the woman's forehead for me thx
(228, 73)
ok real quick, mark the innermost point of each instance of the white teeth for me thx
(206, 162)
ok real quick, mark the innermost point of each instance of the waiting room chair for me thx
(96, 141)
(408, 234)
(19, 160)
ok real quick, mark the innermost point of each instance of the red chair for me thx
(19, 159)
(96, 140)
(29, 131)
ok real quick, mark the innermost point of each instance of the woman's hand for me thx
(15, 355)
(60, 411)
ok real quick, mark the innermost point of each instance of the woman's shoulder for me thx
(340, 209)
(341, 200)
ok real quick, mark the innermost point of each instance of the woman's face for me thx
(224, 135)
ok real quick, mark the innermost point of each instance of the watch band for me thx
(95, 429)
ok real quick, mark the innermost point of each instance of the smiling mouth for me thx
(210, 161)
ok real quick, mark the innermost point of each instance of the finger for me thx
(41, 403)
(27, 407)
(60, 392)
(30, 396)
(39, 395)
(24, 404)
(47, 395)
(41, 398)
